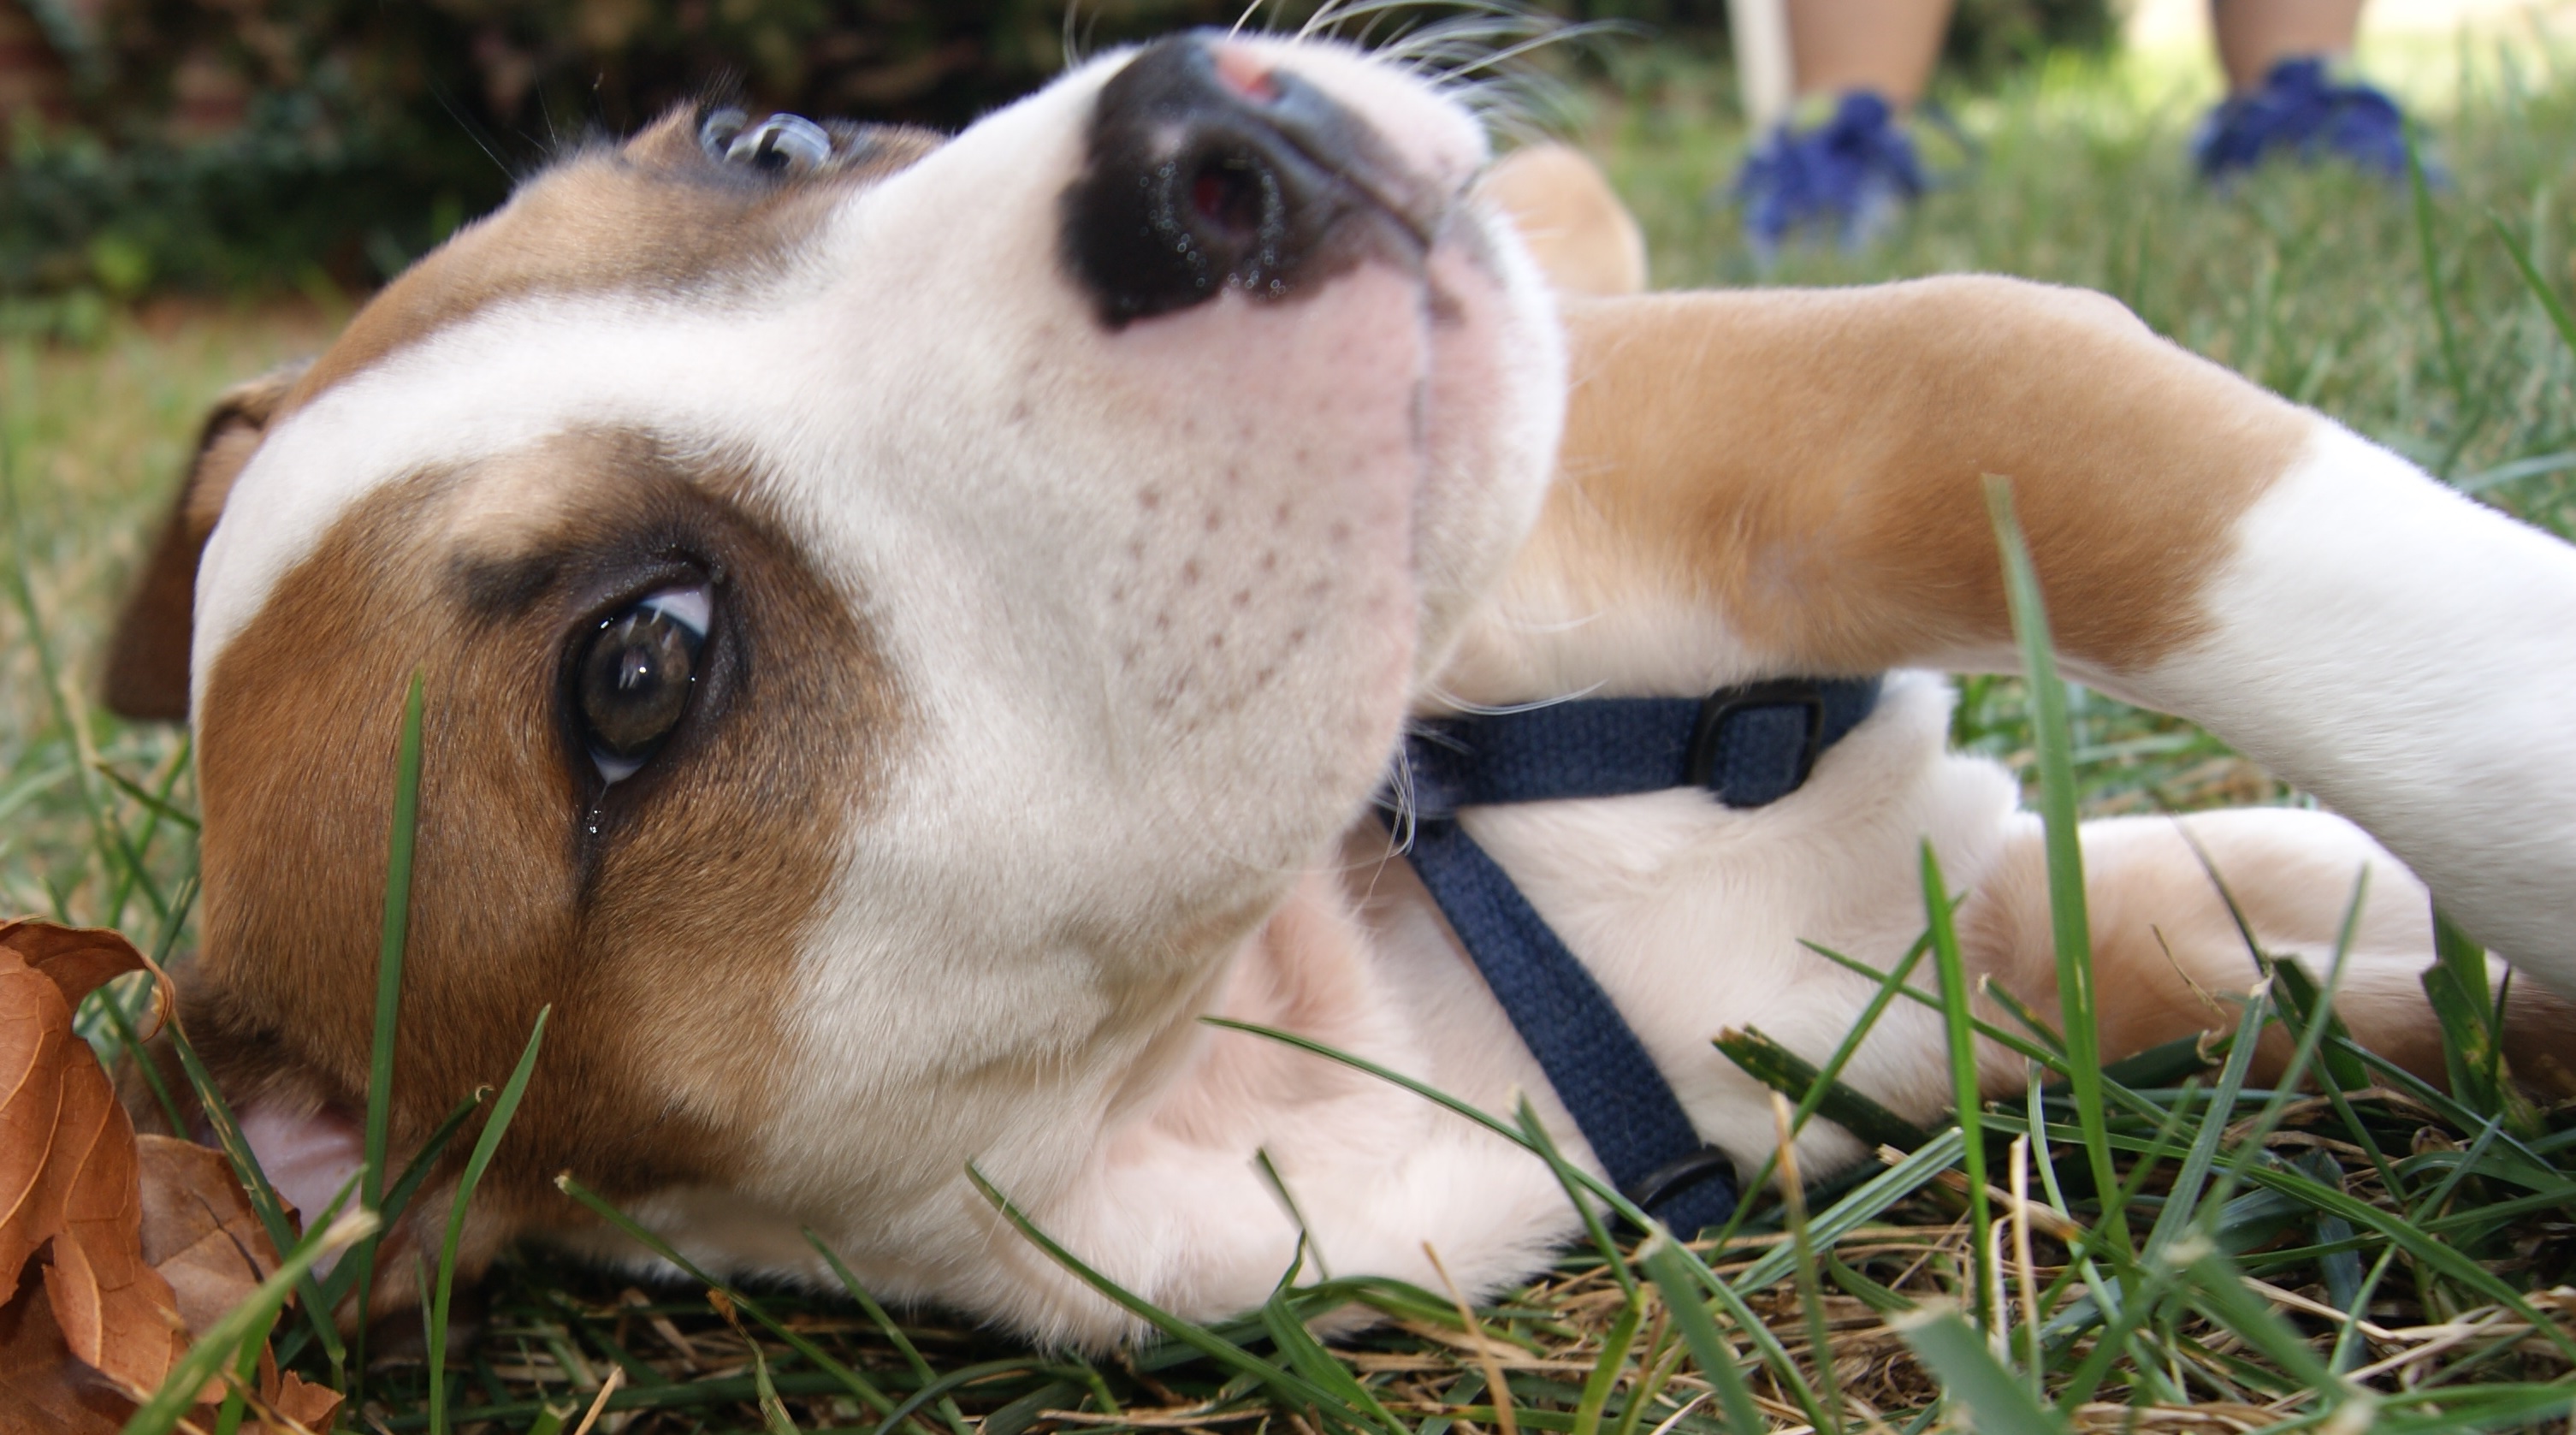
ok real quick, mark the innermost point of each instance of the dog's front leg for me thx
(1780, 482)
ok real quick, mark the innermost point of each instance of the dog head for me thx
(895, 614)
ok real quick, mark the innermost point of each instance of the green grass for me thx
(2200, 1254)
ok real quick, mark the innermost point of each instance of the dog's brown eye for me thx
(634, 681)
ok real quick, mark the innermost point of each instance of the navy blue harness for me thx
(1746, 746)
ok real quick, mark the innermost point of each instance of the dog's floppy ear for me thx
(1585, 241)
(147, 662)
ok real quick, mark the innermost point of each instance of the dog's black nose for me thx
(1209, 170)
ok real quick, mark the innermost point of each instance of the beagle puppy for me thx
(910, 626)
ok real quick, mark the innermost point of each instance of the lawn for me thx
(2200, 1255)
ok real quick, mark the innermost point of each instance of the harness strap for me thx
(1747, 746)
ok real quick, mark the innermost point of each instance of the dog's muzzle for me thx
(1209, 170)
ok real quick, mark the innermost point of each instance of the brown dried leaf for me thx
(199, 1230)
(43, 1390)
(118, 1314)
(305, 1403)
(78, 960)
(45, 970)
(151, 1241)
(35, 1023)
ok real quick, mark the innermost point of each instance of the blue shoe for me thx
(2303, 110)
(1850, 176)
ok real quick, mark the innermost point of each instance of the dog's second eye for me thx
(781, 142)
(634, 681)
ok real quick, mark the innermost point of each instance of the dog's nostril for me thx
(1232, 194)
(1209, 171)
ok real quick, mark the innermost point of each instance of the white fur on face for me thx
(1157, 600)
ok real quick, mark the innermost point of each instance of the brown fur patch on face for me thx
(1811, 465)
(655, 215)
(147, 663)
(664, 939)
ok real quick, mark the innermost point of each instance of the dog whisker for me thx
(1506, 709)
(1402, 817)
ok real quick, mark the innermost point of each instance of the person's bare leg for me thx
(1884, 45)
(2255, 35)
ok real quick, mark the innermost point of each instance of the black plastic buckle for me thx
(1709, 731)
(1674, 1177)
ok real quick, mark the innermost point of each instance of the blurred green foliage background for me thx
(231, 145)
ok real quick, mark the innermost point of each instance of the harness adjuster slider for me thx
(1708, 734)
(1675, 1177)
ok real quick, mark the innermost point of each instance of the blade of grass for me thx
(2520, 1407)
(2069, 921)
(2292, 990)
(1998, 1403)
(494, 1128)
(1773, 1354)
(2457, 985)
(850, 1380)
(335, 1287)
(2528, 1167)
(2020, 1011)
(1810, 1283)
(1952, 966)
(1016, 1417)
(132, 1042)
(1609, 1366)
(224, 1339)
(2521, 468)
(1860, 1206)
(1535, 1132)
(1285, 1384)
(156, 808)
(398, 1195)
(2183, 1198)
(677, 1396)
(1811, 1099)
(263, 1196)
(2550, 303)
(1654, 1370)
(104, 838)
(773, 1411)
(894, 1332)
(1662, 1257)
(158, 803)
(2122, 1313)
(943, 1389)
(1788, 1073)
(2472, 1022)
(389, 963)
(2421, 191)
(1504, 1416)
(2423, 1246)
(1278, 1185)
(244, 1375)
(1305, 1354)
(2312, 1035)
(2017, 1045)
(2219, 1288)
